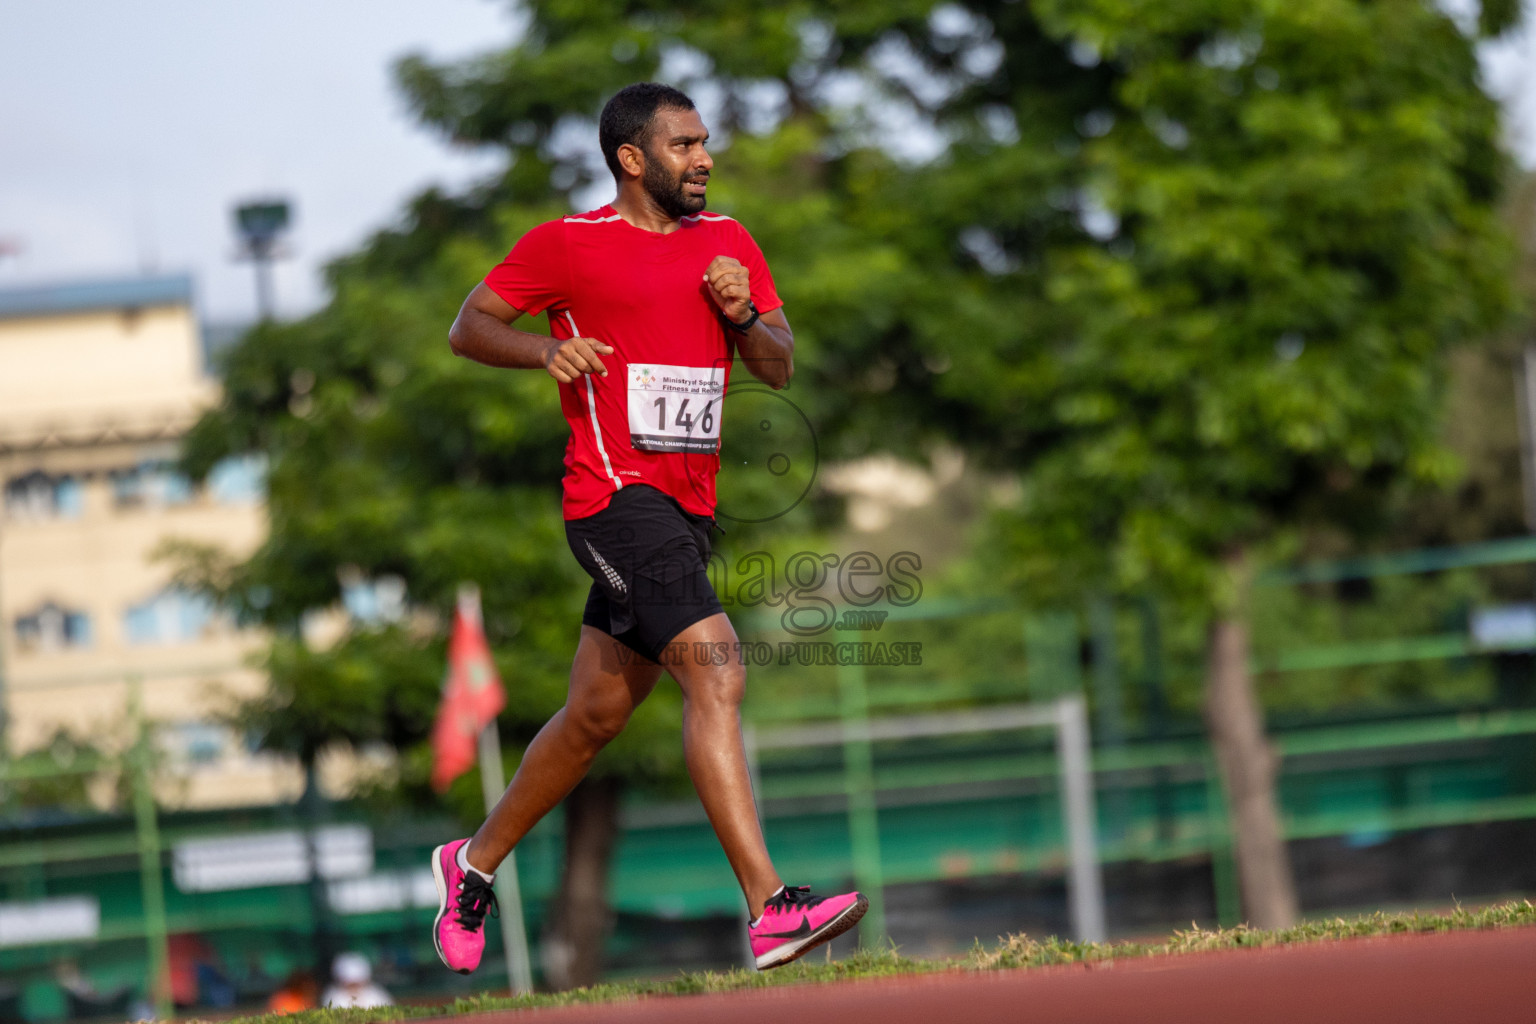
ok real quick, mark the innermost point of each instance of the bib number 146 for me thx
(675, 408)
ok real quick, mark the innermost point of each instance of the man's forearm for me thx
(768, 352)
(479, 336)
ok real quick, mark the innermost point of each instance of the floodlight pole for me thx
(260, 223)
(263, 286)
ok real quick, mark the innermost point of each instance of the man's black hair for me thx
(627, 117)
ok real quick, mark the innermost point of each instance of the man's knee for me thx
(718, 686)
(598, 719)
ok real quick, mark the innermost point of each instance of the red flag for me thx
(472, 694)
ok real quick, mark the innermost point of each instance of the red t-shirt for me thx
(655, 418)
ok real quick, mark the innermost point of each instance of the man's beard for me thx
(667, 192)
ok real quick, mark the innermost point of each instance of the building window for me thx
(39, 496)
(154, 484)
(196, 743)
(69, 497)
(53, 628)
(171, 616)
(239, 480)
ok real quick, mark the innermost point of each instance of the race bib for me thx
(675, 408)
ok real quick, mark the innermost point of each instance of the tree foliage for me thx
(1300, 219)
(1192, 270)
(1196, 269)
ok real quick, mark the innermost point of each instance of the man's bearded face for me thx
(668, 188)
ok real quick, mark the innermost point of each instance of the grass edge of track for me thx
(1014, 952)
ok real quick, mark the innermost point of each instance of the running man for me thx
(648, 300)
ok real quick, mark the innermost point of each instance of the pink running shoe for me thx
(795, 922)
(463, 899)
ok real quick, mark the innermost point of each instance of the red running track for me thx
(1484, 977)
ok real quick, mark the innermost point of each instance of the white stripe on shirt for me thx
(597, 432)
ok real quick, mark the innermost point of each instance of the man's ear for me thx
(631, 159)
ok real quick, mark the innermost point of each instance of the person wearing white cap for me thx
(352, 984)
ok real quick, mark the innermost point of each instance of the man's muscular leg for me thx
(716, 755)
(604, 692)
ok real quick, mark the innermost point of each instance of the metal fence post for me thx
(1229, 901)
(1109, 712)
(1068, 717)
(1085, 885)
(151, 884)
(859, 785)
(754, 776)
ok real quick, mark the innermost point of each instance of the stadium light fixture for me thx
(261, 222)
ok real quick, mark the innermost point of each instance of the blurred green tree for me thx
(1194, 271)
(55, 776)
(1290, 218)
(1482, 425)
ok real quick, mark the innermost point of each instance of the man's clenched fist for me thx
(567, 360)
(730, 288)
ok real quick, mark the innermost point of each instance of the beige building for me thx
(98, 382)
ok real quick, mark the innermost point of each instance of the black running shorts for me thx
(646, 555)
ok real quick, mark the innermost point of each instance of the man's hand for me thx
(730, 287)
(768, 349)
(567, 360)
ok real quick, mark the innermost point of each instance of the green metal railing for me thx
(1512, 551)
(867, 778)
(1052, 666)
(144, 840)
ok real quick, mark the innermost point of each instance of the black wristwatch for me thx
(747, 324)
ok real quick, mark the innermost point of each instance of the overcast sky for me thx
(129, 129)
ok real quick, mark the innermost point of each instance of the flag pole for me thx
(514, 935)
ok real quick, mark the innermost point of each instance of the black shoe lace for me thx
(793, 896)
(476, 897)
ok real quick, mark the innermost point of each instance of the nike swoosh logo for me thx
(798, 933)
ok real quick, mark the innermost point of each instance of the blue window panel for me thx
(77, 629)
(52, 628)
(39, 496)
(201, 742)
(171, 616)
(140, 625)
(127, 488)
(193, 613)
(69, 497)
(171, 487)
(28, 632)
(239, 480)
